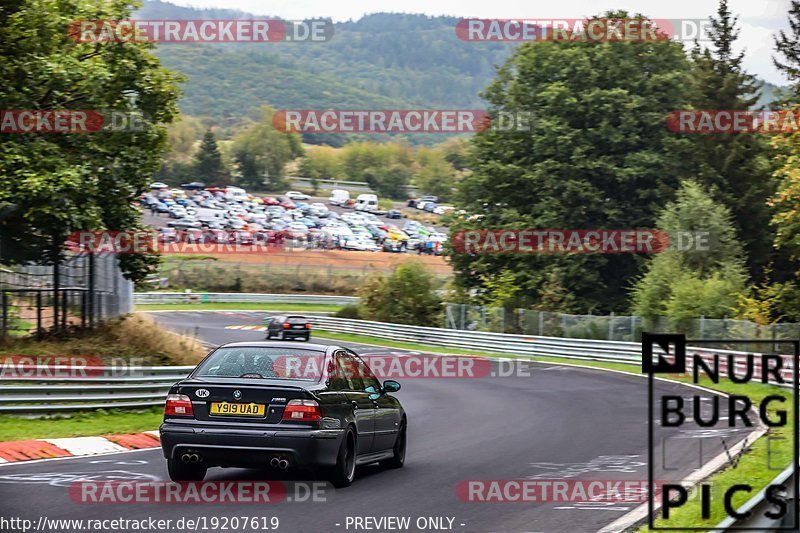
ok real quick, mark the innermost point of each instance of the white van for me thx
(367, 202)
(236, 194)
(339, 197)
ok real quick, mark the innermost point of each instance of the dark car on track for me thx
(288, 327)
(259, 404)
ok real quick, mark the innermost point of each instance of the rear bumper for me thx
(294, 333)
(252, 448)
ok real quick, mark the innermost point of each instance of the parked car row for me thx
(431, 205)
(231, 215)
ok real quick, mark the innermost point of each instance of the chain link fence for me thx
(84, 290)
(606, 327)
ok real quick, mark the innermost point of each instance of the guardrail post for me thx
(39, 314)
(83, 309)
(5, 313)
(611, 326)
(64, 302)
(90, 296)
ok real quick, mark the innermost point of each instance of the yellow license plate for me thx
(237, 409)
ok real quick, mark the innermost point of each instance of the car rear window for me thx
(263, 363)
(297, 320)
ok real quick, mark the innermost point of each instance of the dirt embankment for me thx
(337, 259)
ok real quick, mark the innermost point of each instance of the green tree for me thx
(407, 296)
(392, 181)
(321, 162)
(436, 175)
(261, 153)
(208, 163)
(734, 166)
(788, 46)
(598, 156)
(705, 280)
(456, 152)
(61, 183)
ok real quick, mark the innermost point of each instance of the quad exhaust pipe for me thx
(279, 462)
(187, 458)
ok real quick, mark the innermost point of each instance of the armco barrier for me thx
(243, 297)
(758, 506)
(139, 388)
(481, 341)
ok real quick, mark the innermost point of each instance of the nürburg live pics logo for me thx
(755, 420)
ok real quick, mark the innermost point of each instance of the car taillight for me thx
(308, 326)
(286, 326)
(302, 411)
(178, 405)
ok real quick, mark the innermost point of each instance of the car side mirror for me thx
(391, 385)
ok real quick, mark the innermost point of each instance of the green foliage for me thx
(208, 165)
(261, 153)
(348, 311)
(436, 174)
(688, 284)
(734, 167)
(178, 164)
(65, 182)
(321, 162)
(407, 296)
(788, 46)
(598, 156)
(786, 201)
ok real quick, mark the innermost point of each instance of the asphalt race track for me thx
(546, 422)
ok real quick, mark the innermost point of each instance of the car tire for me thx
(344, 472)
(306, 338)
(399, 457)
(183, 472)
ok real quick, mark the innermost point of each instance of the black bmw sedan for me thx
(259, 404)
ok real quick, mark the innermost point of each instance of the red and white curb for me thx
(27, 450)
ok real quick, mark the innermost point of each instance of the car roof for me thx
(278, 344)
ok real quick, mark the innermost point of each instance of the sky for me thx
(759, 19)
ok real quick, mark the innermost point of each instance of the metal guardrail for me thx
(567, 348)
(243, 297)
(758, 506)
(361, 186)
(137, 388)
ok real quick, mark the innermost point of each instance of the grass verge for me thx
(100, 422)
(224, 306)
(762, 462)
(136, 336)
